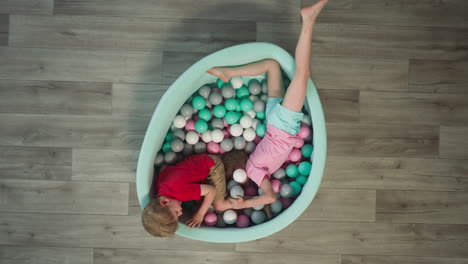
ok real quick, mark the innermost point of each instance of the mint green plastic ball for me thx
(260, 115)
(301, 179)
(220, 83)
(219, 111)
(198, 102)
(296, 187)
(169, 137)
(246, 105)
(242, 92)
(204, 114)
(238, 108)
(307, 150)
(231, 104)
(231, 117)
(166, 147)
(261, 129)
(201, 126)
(304, 168)
(292, 171)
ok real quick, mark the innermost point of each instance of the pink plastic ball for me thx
(225, 123)
(257, 139)
(286, 202)
(217, 90)
(250, 191)
(221, 151)
(295, 155)
(299, 143)
(304, 131)
(190, 125)
(276, 184)
(242, 221)
(226, 133)
(210, 219)
(213, 147)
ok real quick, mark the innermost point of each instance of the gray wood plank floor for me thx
(79, 81)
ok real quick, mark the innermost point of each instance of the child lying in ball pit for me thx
(283, 111)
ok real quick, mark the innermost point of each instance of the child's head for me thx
(233, 160)
(160, 216)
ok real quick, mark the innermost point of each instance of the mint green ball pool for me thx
(189, 83)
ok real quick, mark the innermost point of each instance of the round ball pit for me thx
(177, 94)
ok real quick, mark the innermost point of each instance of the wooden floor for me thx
(79, 80)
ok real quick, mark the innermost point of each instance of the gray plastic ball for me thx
(177, 145)
(217, 123)
(159, 160)
(248, 211)
(215, 98)
(276, 206)
(265, 87)
(258, 217)
(259, 106)
(250, 147)
(227, 144)
(188, 149)
(286, 190)
(239, 143)
(186, 110)
(199, 147)
(205, 91)
(179, 133)
(170, 157)
(227, 91)
(255, 87)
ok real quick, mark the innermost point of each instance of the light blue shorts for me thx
(281, 117)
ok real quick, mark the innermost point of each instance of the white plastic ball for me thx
(199, 148)
(217, 135)
(159, 160)
(258, 207)
(227, 144)
(251, 113)
(279, 174)
(179, 121)
(192, 137)
(206, 137)
(217, 123)
(249, 134)
(259, 106)
(246, 121)
(170, 157)
(239, 143)
(236, 130)
(215, 98)
(230, 217)
(179, 133)
(188, 149)
(255, 87)
(177, 145)
(265, 87)
(236, 191)
(240, 176)
(286, 190)
(250, 147)
(306, 120)
(255, 123)
(186, 110)
(236, 82)
(205, 91)
(227, 91)
(264, 98)
(231, 184)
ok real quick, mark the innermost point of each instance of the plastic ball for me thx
(166, 147)
(231, 184)
(301, 179)
(159, 159)
(264, 98)
(259, 106)
(240, 176)
(279, 174)
(304, 168)
(307, 150)
(217, 135)
(259, 207)
(299, 143)
(239, 143)
(198, 102)
(292, 171)
(208, 104)
(236, 130)
(170, 157)
(236, 82)
(217, 123)
(231, 117)
(276, 206)
(236, 191)
(201, 126)
(286, 190)
(204, 91)
(220, 83)
(243, 221)
(210, 219)
(253, 98)
(296, 187)
(261, 130)
(219, 111)
(249, 134)
(257, 139)
(220, 223)
(206, 136)
(230, 217)
(304, 131)
(228, 91)
(177, 145)
(179, 121)
(226, 133)
(286, 202)
(255, 87)
(250, 147)
(260, 115)
(190, 125)
(246, 105)
(265, 86)
(242, 92)
(179, 133)
(258, 217)
(251, 113)
(251, 191)
(306, 120)
(204, 114)
(215, 98)
(246, 121)
(188, 149)
(199, 147)
(212, 148)
(231, 104)
(260, 191)
(295, 155)
(227, 144)
(169, 137)
(276, 184)
(255, 123)
(186, 110)
(248, 211)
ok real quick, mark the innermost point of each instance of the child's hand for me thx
(237, 203)
(195, 221)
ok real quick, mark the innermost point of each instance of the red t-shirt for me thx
(182, 181)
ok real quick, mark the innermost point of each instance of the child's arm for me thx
(267, 197)
(209, 193)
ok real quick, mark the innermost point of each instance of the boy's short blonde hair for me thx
(158, 220)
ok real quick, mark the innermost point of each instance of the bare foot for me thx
(310, 13)
(221, 73)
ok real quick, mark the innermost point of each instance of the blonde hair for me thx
(158, 220)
